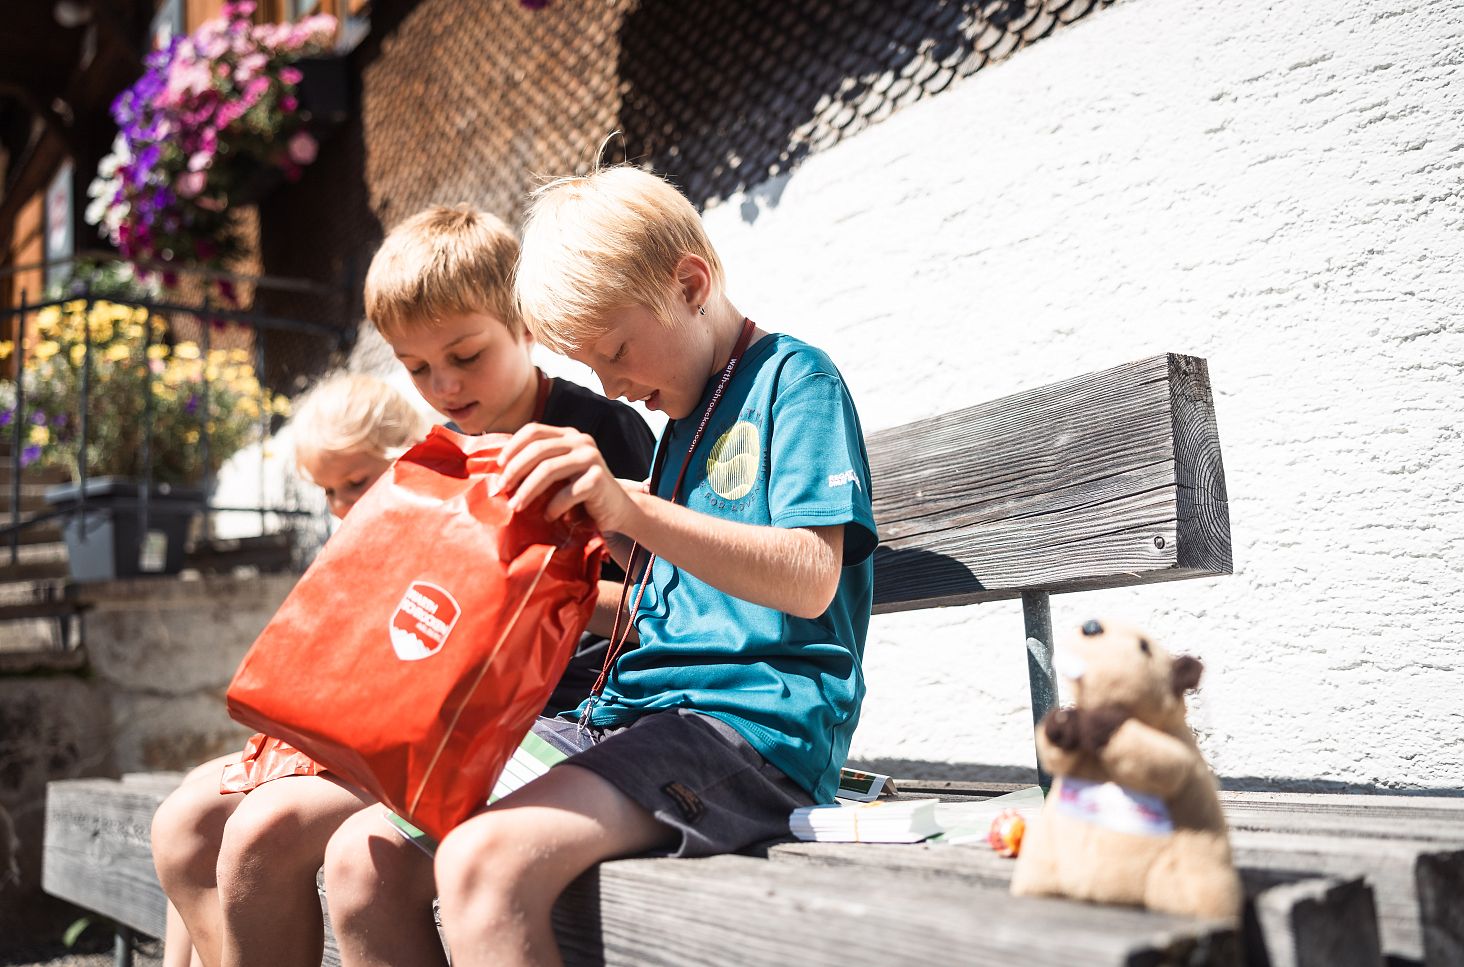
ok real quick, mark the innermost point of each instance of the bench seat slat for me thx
(737, 909)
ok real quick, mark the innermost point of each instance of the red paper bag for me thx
(417, 650)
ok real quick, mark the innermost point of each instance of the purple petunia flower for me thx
(192, 405)
(6, 416)
(38, 418)
(30, 455)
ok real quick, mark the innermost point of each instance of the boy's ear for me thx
(695, 278)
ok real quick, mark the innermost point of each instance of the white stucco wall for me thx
(1276, 187)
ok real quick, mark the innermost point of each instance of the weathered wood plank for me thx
(1319, 922)
(1107, 480)
(97, 851)
(1410, 928)
(1339, 913)
(736, 909)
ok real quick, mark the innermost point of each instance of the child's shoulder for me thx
(794, 359)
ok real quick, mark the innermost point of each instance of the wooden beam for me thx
(746, 911)
(97, 851)
(1309, 915)
(1107, 480)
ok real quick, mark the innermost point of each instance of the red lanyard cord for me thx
(618, 635)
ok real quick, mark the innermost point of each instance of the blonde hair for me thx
(443, 261)
(355, 413)
(602, 242)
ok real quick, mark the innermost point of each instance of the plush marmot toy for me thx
(1132, 816)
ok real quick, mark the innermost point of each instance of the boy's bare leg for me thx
(379, 887)
(272, 848)
(186, 832)
(499, 873)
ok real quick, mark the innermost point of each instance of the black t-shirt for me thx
(625, 441)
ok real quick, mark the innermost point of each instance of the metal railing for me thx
(208, 312)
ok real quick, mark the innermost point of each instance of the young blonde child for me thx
(752, 595)
(347, 432)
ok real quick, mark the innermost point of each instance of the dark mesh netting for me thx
(737, 92)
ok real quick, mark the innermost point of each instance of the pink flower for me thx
(303, 148)
(288, 104)
(192, 184)
(291, 75)
(200, 160)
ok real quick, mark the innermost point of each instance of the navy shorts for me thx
(693, 772)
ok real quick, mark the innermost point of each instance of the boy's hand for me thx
(566, 464)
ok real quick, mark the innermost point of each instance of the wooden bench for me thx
(1107, 480)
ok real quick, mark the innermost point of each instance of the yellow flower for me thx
(157, 351)
(248, 407)
(118, 351)
(281, 405)
(6, 348)
(40, 436)
(46, 349)
(239, 355)
(48, 319)
(78, 353)
(191, 437)
(186, 350)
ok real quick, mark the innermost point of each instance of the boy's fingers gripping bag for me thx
(419, 647)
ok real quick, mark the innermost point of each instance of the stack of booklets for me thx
(909, 820)
(892, 821)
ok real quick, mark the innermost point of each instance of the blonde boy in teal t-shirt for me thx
(739, 703)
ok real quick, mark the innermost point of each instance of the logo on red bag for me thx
(422, 622)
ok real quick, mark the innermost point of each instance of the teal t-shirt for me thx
(784, 448)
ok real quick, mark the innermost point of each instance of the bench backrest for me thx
(1101, 481)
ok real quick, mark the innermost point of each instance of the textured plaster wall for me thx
(1276, 187)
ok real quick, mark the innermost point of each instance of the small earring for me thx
(702, 309)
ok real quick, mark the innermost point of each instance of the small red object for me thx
(1005, 835)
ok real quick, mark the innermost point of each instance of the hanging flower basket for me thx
(212, 111)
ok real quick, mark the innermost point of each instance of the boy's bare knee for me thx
(366, 859)
(262, 832)
(474, 861)
(186, 830)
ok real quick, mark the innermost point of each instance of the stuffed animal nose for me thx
(1091, 628)
(1069, 666)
